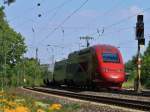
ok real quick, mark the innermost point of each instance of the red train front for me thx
(97, 66)
(110, 68)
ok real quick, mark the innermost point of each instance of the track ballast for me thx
(136, 104)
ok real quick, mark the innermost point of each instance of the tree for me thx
(131, 67)
(12, 43)
(12, 48)
(32, 71)
(146, 67)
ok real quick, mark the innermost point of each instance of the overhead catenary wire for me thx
(119, 22)
(57, 8)
(65, 29)
(105, 13)
(30, 10)
(106, 27)
(18, 17)
(67, 18)
(24, 12)
(101, 32)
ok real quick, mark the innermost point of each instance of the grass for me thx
(11, 102)
(129, 84)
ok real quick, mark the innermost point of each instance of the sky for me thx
(57, 32)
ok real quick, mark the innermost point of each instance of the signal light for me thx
(141, 41)
(140, 18)
(140, 30)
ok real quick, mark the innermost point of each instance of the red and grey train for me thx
(97, 66)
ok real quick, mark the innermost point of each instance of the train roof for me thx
(92, 47)
(60, 62)
(104, 46)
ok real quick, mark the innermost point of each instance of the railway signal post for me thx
(141, 42)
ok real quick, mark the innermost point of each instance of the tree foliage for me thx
(146, 67)
(12, 45)
(131, 67)
(15, 70)
(30, 72)
(12, 48)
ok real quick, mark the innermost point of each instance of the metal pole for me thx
(53, 58)
(36, 54)
(35, 74)
(88, 44)
(24, 78)
(138, 77)
(52, 62)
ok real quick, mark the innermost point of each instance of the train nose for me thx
(114, 77)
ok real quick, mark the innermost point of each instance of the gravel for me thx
(85, 106)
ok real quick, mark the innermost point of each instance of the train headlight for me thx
(114, 76)
(105, 69)
(120, 70)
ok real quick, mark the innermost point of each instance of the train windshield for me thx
(110, 57)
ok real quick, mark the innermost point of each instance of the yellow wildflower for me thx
(40, 110)
(9, 110)
(3, 100)
(22, 109)
(55, 106)
(12, 104)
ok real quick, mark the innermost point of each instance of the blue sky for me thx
(116, 17)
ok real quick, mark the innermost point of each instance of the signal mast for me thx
(141, 42)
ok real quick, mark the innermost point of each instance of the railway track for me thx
(141, 105)
(144, 93)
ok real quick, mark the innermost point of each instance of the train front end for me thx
(110, 67)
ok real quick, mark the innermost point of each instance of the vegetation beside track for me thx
(131, 68)
(10, 101)
(15, 69)
(129, 84)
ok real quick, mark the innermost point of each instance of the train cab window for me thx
(110, 57)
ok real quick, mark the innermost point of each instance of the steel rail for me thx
(134, 104)
(144, 93)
